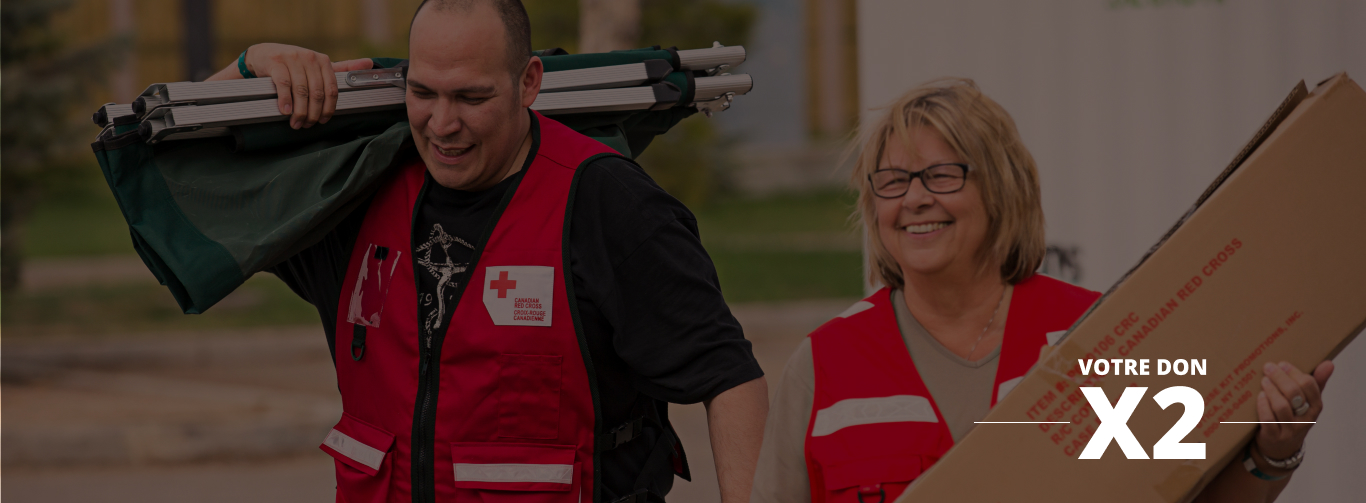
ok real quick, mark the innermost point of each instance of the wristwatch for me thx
(1289, 463)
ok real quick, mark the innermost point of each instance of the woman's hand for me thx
(1284, 390)
(304, 81)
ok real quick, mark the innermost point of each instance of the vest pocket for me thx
(529, 396)
(366, 303)
(523, 473)
(362, 457)
(874, 478)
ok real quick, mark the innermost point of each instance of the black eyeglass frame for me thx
(920, 174)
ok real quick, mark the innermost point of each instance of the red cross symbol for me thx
(503, 284)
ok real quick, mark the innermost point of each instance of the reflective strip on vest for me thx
(1005, 387)
(513, 472)
(858, 307)
(887, 409)
(354, 449)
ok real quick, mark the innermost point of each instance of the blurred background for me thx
(1131, 107)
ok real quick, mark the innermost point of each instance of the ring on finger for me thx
(1301, 407)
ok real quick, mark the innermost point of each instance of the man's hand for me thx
(735, 419)
(304, 81)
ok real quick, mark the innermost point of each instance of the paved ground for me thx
(56, 273)
(234, 415)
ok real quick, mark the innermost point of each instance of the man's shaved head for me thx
(470, 80)
(516, 25)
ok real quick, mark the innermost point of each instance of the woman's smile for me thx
(925, 229)
(931, 233)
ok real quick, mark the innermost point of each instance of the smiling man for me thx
(513, 308)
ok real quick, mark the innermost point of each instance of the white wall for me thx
(1130, 112)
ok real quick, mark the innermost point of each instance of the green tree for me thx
(691, 159)
(695, 24)
(687, 160)
(40, 81)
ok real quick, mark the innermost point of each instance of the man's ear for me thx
(531, 81)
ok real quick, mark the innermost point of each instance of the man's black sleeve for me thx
(641, 272)
(316, 274)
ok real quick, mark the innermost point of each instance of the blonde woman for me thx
(949, 197)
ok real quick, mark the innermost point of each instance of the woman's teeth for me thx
(925, 228)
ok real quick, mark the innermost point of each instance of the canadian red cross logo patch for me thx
(519, 295)
(502, 284)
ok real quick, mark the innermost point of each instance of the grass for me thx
(822, 211)
(82, 220)
(263, 300)
(775, 248)
(785, 247)
(758, 276)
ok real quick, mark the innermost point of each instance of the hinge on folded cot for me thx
(377, 77)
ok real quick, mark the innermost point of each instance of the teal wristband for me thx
(242, 66)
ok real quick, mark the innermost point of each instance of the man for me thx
(511, 310)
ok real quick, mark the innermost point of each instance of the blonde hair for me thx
(984, 135)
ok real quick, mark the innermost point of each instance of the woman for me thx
(949, 197)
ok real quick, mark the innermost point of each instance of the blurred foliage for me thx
(688, 24)
(688, 161)
(77, 217)
(40, 81)
(554, 23)
(695, 24)
(691, 159)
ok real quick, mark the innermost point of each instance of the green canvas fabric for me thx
(205, 217)
(207, 214)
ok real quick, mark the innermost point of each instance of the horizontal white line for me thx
(1021, 422)
(1268, 422)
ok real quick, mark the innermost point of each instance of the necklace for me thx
(989, 321)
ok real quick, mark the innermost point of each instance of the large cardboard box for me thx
(1269, 265)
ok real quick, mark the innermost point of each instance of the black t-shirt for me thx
(649, 301)
(447, 230)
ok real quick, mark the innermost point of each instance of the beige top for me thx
(961, 388)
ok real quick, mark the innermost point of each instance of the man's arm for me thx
(302, 77)
(735, 420)
(638, 252)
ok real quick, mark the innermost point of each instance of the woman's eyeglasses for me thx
(938, 179)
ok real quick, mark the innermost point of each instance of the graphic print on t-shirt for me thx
(435, 256)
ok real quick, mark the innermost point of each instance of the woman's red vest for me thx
(874, 426)
(500, 403)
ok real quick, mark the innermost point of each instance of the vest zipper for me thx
(429, 380)
(426, 357)
(429, 368)
(426, 444)
(423, 434)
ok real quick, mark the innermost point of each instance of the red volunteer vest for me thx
(500, 406)
(874, 426)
